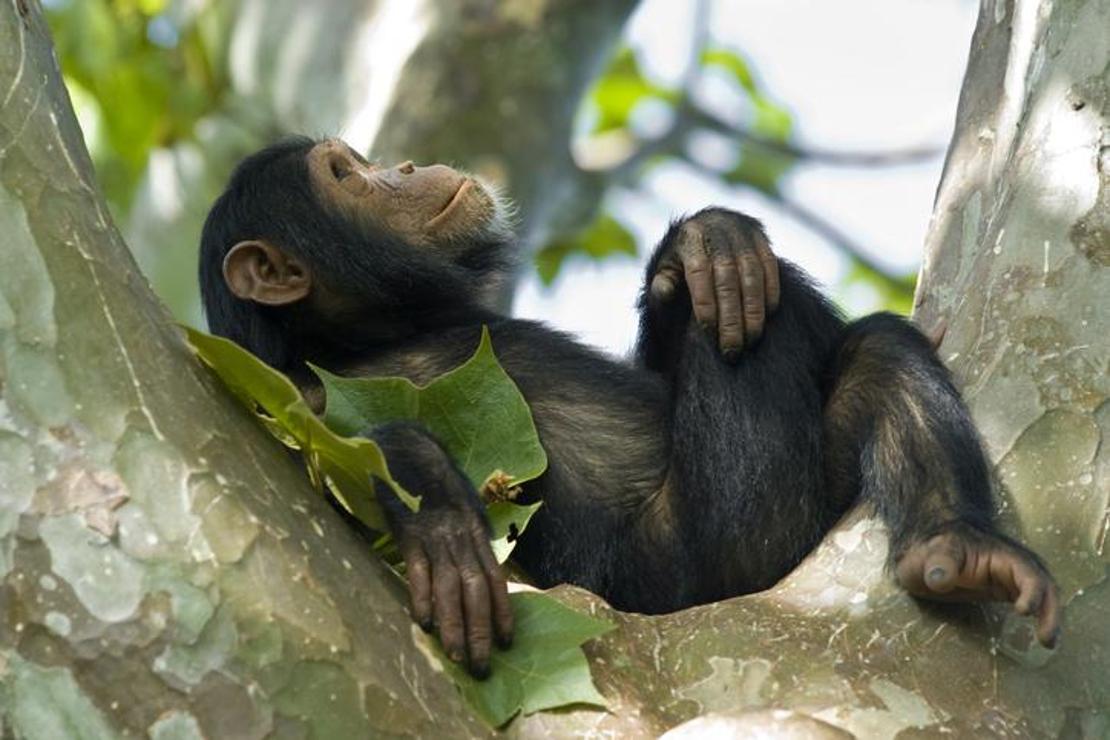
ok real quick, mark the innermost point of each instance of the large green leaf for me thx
(545, 668)
(345, 463)
(475, 411)
(480, 416)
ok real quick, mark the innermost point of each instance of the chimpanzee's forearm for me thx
(898, 434)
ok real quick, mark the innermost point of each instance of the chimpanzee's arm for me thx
(897, 432)
(718, 267)
(744, 477)
(454, 580)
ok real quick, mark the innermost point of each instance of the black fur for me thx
(674, 480)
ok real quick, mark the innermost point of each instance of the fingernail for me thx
(936, 575)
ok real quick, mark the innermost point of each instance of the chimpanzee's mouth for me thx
(455, 199)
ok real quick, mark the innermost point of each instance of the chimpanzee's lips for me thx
(456, 198)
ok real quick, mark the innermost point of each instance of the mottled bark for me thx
(164, 566)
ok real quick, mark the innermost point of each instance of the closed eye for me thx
(358, 157)
(340, 167)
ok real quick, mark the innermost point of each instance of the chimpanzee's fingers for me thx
(498, 589)
(448, 602)
(770, 272)
(932, 568)
(941, 570)
(1049, 617)
(1006, 574)
(730, 318)
(476, 607)
(1031, 591)
(418, 572)
(754, 295)
(665, 283)
(698, 272)
(1034, 593)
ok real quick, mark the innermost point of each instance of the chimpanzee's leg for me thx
(898, 434)
(746, 460)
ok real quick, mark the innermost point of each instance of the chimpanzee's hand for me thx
(455, 583)
(725, 260)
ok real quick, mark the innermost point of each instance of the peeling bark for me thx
(1016, 265)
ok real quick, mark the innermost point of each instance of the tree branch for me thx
(835, 236)
(695, 116)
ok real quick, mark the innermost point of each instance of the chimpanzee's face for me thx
(424, 206)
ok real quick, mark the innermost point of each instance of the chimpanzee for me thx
(750, 419)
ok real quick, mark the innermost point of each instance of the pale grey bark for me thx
(164, 566)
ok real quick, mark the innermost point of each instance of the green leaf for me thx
(604, 237)
(149, 96)
(507, 521)
(544, 669)
(480, 416)
(734, 63)
(772, 121)
(344, 463)
(760, 167)
(475, 411)
(620, 89)
(895, 293)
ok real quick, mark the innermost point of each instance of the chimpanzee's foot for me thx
(962, 563)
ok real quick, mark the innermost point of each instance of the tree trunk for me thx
(165, 568)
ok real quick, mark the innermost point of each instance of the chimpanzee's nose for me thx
(406, 168)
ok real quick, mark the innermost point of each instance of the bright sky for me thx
(866, 75)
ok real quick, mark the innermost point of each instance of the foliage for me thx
(603, 238)
(481, 418)
(760, 166)
(612, 104)
(141, 73)
(893, 293)
(346, 464)
(621, 89)
(475, 411)
(544, 669)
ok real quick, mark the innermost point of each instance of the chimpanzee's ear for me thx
(260, 272)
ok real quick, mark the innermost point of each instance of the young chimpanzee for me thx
(751, 419)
